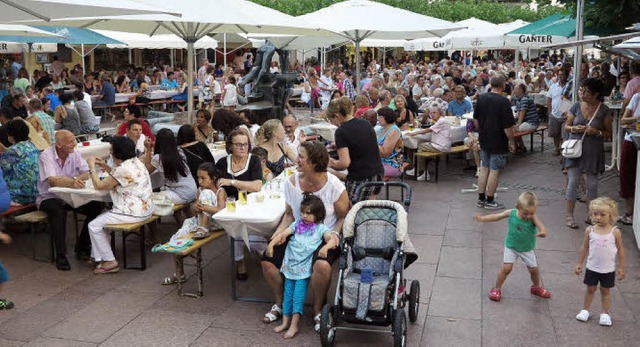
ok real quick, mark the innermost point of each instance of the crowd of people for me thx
(391, 104)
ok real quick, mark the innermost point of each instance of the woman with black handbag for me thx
(590, 120)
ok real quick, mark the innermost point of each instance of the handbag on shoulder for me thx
(572, 148)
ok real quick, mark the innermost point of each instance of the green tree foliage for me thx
(451, 10)
(604, 16)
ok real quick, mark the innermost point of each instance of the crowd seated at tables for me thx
(368, 143)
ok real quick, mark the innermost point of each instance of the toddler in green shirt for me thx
(524, 227)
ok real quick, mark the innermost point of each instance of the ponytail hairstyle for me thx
(342, 106)
(265, 133)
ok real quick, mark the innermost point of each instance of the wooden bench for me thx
(435, 156)
(128, 229)
(538, 131)
(104, 132)
(36, 219)
(195, 251)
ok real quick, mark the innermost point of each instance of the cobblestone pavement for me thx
(458, 264)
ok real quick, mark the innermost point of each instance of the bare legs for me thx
(508, 267)
(605, 298)
(488, 181)
(293, 327)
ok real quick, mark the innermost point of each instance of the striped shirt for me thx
(527, 103)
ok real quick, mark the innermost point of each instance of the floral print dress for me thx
(133, 196)
(20, 168)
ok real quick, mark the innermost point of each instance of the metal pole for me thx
(172, 58)
(190, 58)
(577, 59)
(224, 45)
(84, 71)
(357, 42)
(130, 60)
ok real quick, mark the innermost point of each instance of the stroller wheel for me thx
(400, 329)
(414, 301)
(327, 324)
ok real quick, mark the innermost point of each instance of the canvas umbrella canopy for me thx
(23, 30)
(68, 36)
(543, 30)
(29, 10)
(165, 41)
(201, 18)
(474, 27)
(357, 20)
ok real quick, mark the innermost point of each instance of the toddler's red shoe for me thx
(541, 292)
(495, 294)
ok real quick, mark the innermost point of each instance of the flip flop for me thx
(571, 223)
(173, 280)
(106, 270)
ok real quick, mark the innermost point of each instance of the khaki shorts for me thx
(427, 147)
(529, 258)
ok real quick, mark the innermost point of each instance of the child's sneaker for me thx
(495, 294)
(605, 320)
(5, 304)
(481, 203)
(583, 316)
(541, 292)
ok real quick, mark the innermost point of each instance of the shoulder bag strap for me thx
(590, 120)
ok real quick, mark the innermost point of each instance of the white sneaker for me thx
(424, 177)
(605, 320)
(410, 172)
(583, 316)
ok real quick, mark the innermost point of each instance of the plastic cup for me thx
(242, 197)
(86, 143)
(260, 197)
(231, 204)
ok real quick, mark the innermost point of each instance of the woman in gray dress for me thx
(593, 118)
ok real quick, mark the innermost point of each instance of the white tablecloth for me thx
(78, 197)
(155, 95)
(95, 147)
(217, 152)
(253, 218)
(539, 98)
(326, 130)
(458, 133)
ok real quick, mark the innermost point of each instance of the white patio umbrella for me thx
(143, 41)
(28, 10)
(23, 30)
(200, 18)
(362, 19)
(458, 39)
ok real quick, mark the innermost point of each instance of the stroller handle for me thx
(404, 186)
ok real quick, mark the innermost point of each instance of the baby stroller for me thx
(371, 288)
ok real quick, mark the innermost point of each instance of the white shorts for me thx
(529, 258)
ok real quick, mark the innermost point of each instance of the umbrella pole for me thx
(224, 45)
(172, 59)
(84, 71)
(357, 42)
(577, 59)
(130, 56)
(190, 58)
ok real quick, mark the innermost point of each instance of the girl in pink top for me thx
(602, 242)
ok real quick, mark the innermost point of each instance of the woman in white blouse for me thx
(131, 193)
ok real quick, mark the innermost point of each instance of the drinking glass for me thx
(242, 197)
(231, 204)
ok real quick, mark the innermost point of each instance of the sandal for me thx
(583, 316)
(316, 320)
(106, 270)
(173, 279)
(5, 304)
(201, 233)
(626, 220)
(571, 223)
(605, 320)
(273, 315)
(495, 294)
(541, 292)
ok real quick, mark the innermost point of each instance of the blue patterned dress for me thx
(19, 165)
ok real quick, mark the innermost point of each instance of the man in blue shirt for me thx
(460, 105)
(107, 94)
(53, 97)
(169, 83)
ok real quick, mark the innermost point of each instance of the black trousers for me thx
(57, 211)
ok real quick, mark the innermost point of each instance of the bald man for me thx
(62, 166)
